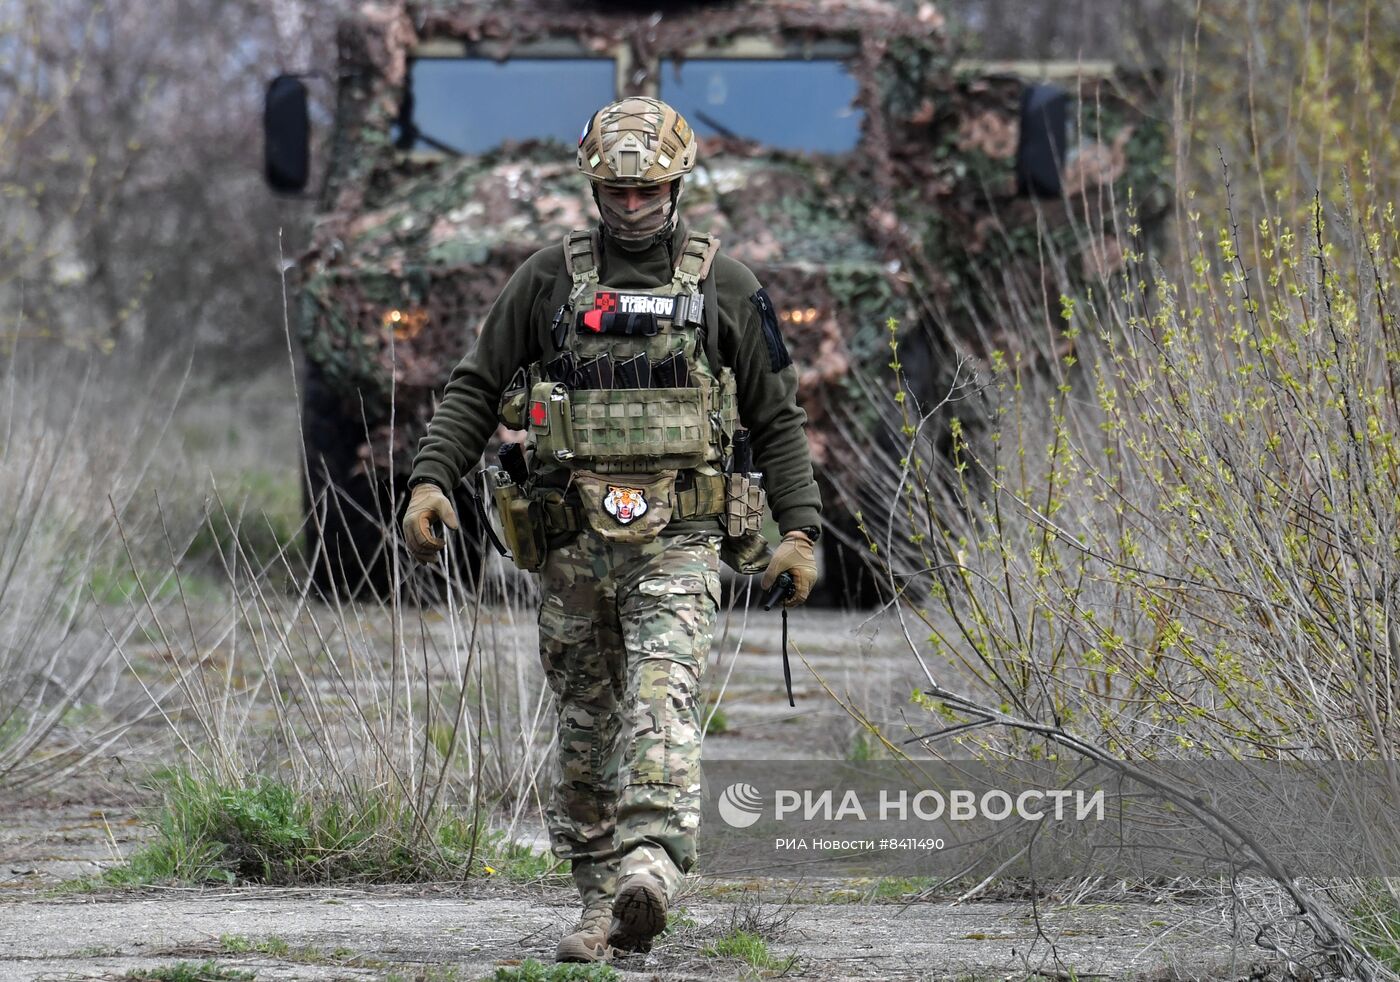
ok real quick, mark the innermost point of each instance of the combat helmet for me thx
(637, 142)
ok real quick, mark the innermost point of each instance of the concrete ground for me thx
(815, 930)
(827, 929)
(467, 933)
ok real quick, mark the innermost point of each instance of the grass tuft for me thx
(753, 925)
(237, 944)
(678, 921)
(518, 862)
(531, 970)
(716, 720)
(268, 833)
(1376, 919)
(749, 948)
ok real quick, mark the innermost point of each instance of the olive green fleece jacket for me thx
(516, 333)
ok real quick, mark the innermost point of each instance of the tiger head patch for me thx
(625, 504)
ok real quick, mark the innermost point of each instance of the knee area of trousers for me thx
(662, 676)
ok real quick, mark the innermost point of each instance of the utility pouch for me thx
(627, 507)
(748, 554)
(700, 494)
(522, 523)
(550, 420)
(511, 411)
(744, 498)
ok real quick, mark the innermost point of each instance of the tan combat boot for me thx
(589, 941)
(596, 882)
(638, 913)
(647, 881)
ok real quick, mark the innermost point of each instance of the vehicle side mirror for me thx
(286, 135)
(1041, 152)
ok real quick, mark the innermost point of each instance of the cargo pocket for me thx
(703, 584)
(669, 630)
(564, 637)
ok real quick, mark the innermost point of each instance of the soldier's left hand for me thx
(794, 555)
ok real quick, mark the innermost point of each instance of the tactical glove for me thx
(427, 504)
(794, 555)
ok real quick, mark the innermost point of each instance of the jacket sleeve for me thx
(766, 384)
(466, 417)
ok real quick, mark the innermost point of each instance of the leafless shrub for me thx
(1184, 543)
(1179, 541)
(417, 710)
(74, 455)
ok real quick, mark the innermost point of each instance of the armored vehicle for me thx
(849, 156)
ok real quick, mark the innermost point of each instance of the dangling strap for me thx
(778, 592)
(787, 669)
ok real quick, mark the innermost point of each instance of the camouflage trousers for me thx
(625, 630)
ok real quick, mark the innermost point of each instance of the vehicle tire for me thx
(352, 517)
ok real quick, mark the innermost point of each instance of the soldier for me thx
(641, 347)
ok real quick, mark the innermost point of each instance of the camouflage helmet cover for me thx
(636, 142)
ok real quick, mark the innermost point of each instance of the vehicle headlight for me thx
(406, 322)
(799, 315)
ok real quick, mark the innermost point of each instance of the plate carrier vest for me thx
(651, 430)
(647, 428)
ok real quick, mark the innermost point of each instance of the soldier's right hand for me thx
(794, 555)
(427, 505)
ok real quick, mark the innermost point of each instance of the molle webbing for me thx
(621, 430)
(581, 252)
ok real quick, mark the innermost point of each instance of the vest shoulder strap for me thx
(580, 252)
(696, 258)
(581, 262)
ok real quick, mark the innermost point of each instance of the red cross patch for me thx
(539, 415)
(605, 302)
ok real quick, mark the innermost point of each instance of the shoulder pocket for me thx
(778, 357)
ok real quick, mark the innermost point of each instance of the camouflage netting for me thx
(915, 224)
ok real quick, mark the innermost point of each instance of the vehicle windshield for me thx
(471, 105)
(788, 104)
